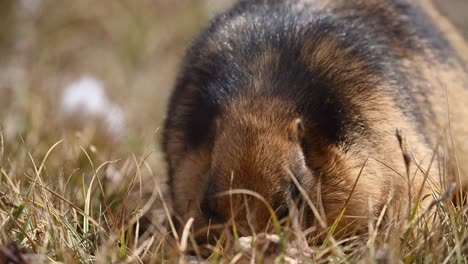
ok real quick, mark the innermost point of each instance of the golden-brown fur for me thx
(318, 92)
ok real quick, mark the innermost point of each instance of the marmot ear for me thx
(296, 130)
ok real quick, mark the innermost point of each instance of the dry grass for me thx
(73, 193)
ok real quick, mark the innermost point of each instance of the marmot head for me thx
(257, 150)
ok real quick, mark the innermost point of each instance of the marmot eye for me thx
(294, 191)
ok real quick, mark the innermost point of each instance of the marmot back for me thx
(299, 98)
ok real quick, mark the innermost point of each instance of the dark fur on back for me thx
(333, 63)
(219, 63)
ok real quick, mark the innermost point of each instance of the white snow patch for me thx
(86, 97)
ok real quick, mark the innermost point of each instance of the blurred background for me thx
(99, 72)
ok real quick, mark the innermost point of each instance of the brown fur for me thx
(258, 140)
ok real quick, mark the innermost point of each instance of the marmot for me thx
(360, 103)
